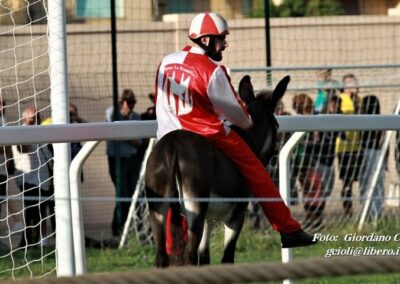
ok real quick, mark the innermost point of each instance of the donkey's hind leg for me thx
(204, 248)
(195, 215)
(157, 221)
(232, 232)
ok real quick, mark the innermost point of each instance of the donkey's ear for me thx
(280, 89)
(246, 90)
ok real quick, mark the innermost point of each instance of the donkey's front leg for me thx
(232, 232)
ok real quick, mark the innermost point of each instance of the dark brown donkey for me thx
(184, 166)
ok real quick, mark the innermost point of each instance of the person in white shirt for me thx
(34, 172)
(6, 170)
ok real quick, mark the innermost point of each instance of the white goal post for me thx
(59, 111)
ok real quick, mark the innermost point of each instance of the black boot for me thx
(297, 239)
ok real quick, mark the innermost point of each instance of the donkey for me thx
(184, 166)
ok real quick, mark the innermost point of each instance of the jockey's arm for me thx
(223, 97)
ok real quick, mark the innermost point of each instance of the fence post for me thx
(75, 172)
(284, 183)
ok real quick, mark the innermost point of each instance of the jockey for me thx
(194, 93)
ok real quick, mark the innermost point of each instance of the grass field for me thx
(254, 246)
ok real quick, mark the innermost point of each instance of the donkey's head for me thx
(261, 108)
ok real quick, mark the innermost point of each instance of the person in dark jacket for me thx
(371, 144)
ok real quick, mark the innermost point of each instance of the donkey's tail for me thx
(176, 223)
(174, 176)
(177, 235)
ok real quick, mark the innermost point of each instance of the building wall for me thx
(373, 7)
(12, 10)
(295, 42)
(232, 8)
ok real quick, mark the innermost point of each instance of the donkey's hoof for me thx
(297, 239)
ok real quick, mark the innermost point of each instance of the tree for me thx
(323, 8)
(291, 8)
(301, 8)
(298, 8)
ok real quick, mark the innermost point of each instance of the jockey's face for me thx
(216, 45)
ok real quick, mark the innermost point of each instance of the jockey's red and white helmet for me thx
(208, 23)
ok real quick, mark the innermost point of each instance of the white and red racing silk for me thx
(195, 93)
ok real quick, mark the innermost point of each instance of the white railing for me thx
(75, 171)
(124, 130)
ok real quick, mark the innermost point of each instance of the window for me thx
(98, 8)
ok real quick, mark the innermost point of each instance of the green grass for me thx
(253, 247)
(26, 264)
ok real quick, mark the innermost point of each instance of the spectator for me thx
(324, 163)
(129, 165)
(348, 149)
(324, 83)
(371, 143)
(397, 152)
(149, 114)
(34, 171)
(304, 165)
(281, 139)
(75, 148)
(303, 105)
(75, 118)
(7, 168)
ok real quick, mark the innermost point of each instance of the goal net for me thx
(27, 222)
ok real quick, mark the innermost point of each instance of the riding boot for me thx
(297, 239)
